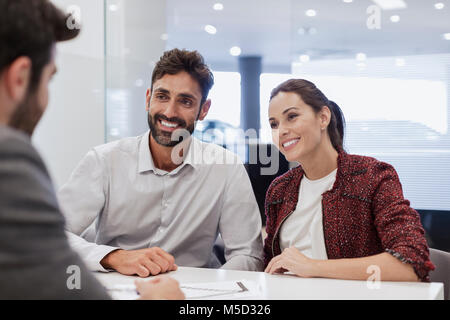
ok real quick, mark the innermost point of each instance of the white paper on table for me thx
(223, 290)
(123, 292)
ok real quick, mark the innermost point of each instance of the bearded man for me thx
(144, 205)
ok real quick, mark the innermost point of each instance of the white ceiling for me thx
(269, 28)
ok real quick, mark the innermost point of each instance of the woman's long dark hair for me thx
(313, 97)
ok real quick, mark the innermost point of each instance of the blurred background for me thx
(386, 63)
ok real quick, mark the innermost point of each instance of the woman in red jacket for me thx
(336, 215)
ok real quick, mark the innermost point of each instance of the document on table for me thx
(222, 290)
(123, 291)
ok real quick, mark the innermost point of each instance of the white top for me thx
(117, 198)
(303, 229)
(287, 287)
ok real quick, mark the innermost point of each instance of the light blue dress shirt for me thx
(117, 198)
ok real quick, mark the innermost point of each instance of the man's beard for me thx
(169, 139)
(27, 114)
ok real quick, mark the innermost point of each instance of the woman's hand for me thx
(292, 260)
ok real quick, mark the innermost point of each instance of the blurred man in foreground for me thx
(34, 252)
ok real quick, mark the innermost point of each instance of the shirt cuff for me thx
(244, 262)
(93, 258)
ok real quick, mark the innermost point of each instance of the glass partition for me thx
(135, 32)
(387, 67)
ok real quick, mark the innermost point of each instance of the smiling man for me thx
(144, 205)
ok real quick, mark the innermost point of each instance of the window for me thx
(225, 98)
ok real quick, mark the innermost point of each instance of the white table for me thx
(289, 287)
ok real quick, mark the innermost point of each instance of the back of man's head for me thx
(30, 28)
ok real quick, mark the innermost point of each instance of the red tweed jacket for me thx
(364, 214)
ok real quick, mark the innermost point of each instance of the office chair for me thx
(261, 182)
(219, 249)
(441, 260)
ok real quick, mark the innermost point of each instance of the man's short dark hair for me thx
(192, 62)
(30, 28)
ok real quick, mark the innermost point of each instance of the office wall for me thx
(75, 118)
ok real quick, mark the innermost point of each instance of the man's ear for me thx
(17, 78)
(148, 96)
(205, 109)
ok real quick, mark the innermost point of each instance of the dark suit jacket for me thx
(36, 261)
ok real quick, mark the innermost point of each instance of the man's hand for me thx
(159, 288)
(143, 262)
(292, 260)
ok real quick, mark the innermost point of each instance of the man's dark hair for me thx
(30, 28)
(192, 62)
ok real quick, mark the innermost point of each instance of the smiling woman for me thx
(336, 215)
(304, 98)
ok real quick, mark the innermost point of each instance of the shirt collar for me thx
(146, 160)
(194, 154)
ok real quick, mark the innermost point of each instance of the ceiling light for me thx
(304, 58)
(210, 29)
(439, 5)
(218, 7)
(446, 36)
(391, 4)
(164, 37)
(311, 13)
(361, 56)
(113, 7)
(348, 1)
(400, 62)
(395, 18)
(235, 51)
